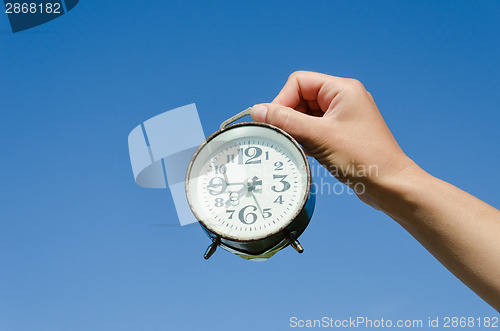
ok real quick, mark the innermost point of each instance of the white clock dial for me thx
(248, 183)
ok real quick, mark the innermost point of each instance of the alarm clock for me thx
(249, 186)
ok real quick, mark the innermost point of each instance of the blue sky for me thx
(78, 250)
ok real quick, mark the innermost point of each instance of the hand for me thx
(336, 121)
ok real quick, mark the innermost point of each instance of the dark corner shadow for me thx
(42, 12)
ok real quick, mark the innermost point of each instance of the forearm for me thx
(461, 231)
(337, 121)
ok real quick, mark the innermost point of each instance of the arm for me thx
(337, 121)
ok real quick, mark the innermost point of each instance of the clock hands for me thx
(252, 184)
(257, 203)
(252, 187)
(237, 183)
(248, 187)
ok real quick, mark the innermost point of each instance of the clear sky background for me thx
(79, 248)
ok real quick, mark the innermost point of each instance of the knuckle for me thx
(356, 84)
(280, 117)
(296, 74)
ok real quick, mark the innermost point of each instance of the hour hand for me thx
(253, 185)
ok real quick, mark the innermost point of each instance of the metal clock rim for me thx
(233, 126)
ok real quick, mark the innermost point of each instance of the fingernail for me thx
(259, 113)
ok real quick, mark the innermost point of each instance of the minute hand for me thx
(257, 203)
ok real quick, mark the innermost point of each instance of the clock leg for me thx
(295, 244)
(211, 249)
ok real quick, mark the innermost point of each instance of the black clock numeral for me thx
(279, 200)
(216, 186)
(230, 158)
(234, 199)
(230, 212)
(253, 153)
(250, 217)
(286, 185)
(278, 165)
(240, 156)
(266, 212)
(220, 169)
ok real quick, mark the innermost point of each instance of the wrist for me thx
(397, 195)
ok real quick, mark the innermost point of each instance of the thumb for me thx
(304, 128)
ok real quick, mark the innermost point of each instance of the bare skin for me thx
(337, 121)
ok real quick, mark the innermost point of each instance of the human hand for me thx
(337, 122)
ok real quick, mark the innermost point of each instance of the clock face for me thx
(248, 182)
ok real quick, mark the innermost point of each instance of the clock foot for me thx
(295, 244)
(211, 249)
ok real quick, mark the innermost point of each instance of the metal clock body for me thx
(249, 186)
